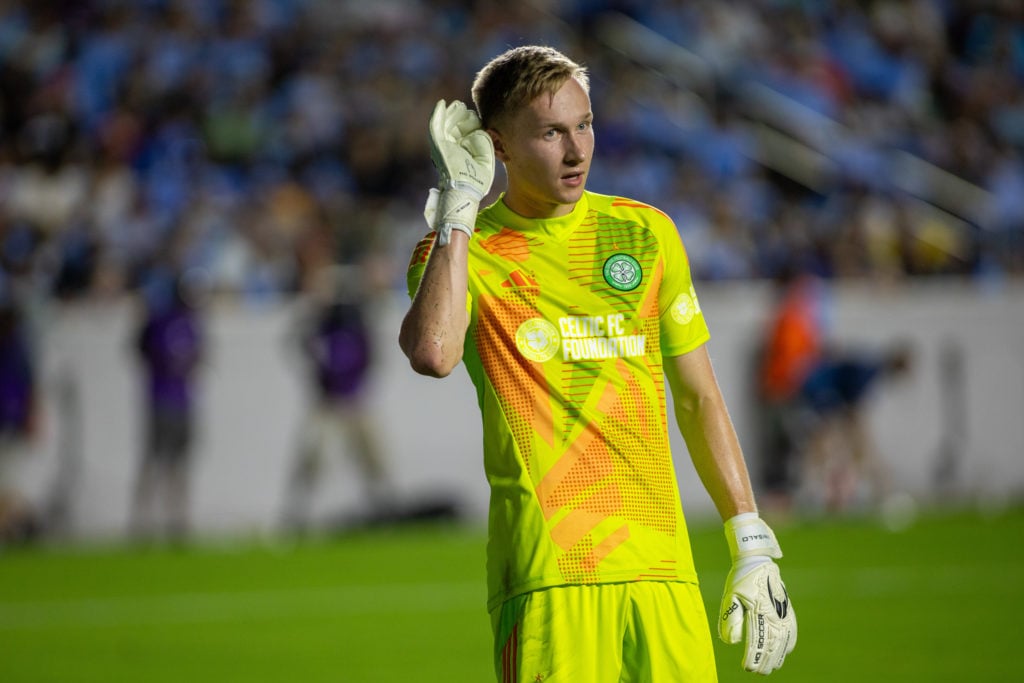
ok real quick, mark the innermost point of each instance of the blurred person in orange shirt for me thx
(793, 346)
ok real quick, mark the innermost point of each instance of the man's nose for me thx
(574, 151)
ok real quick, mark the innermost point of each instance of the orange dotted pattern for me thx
(519, 383)
(576, 564)
(642, 470)
(577, 383)
(593, 466)
(618, 464)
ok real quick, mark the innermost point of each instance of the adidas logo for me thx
(517, 279)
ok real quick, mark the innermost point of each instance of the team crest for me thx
(623, 272)
(538, 340)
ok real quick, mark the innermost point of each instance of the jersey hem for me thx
(498, 600)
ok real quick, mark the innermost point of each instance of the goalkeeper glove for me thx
(755, 599)
(463, 154)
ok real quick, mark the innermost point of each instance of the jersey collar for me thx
(558, 227)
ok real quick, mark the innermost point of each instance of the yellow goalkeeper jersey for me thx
(570, 318)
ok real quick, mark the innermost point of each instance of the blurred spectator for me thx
(842, 466)
(170, 344)
(17, 374)
(120, 121)
(18, 519)
(337, 342)
(868, 140)
(793, 346)
(816, 448)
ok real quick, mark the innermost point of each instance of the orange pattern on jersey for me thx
(619, 202)
(598, 237)
(605, 547)
(579, 563)
(665, 570)
(645, 477)
(509, 244)
(649, 306)
(583, 464)
(518, 382)
(518, 278)
(583, 519)
(641, 490)
(422, 251)
(611, 471)
(642, 478)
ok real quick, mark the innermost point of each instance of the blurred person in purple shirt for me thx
(16, 376)
(170, 345)
(17, 420)
(336, 342)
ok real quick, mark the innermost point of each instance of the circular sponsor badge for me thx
(683, 309)
(538, 340)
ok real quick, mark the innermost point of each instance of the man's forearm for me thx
(434, 329)
(710, 437)
(717, 457)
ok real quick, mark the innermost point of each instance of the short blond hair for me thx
(516, 77)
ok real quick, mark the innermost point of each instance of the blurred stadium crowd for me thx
(257, 140)
(250, 146)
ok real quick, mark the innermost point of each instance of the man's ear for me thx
(499, 146)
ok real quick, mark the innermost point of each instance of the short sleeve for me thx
(418, 264)
(683, 327)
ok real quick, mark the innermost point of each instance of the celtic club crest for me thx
(623, 272)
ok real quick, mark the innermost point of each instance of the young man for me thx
(568, 308)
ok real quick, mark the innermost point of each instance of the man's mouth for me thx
(573, 179)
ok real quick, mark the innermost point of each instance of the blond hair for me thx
(516, 77)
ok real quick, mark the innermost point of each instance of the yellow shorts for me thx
(636, 632)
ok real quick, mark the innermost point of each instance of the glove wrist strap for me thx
(748, 536)
(444, 232)
(472, 191)
(451, 209)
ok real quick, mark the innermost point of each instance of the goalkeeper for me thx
(569, 310)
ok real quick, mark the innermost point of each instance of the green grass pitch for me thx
(940, 601)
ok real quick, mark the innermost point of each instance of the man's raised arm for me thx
(434, 329)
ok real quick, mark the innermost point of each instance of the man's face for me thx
(546, 147)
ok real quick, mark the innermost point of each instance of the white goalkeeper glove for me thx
(755, 602)
(463, 154)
